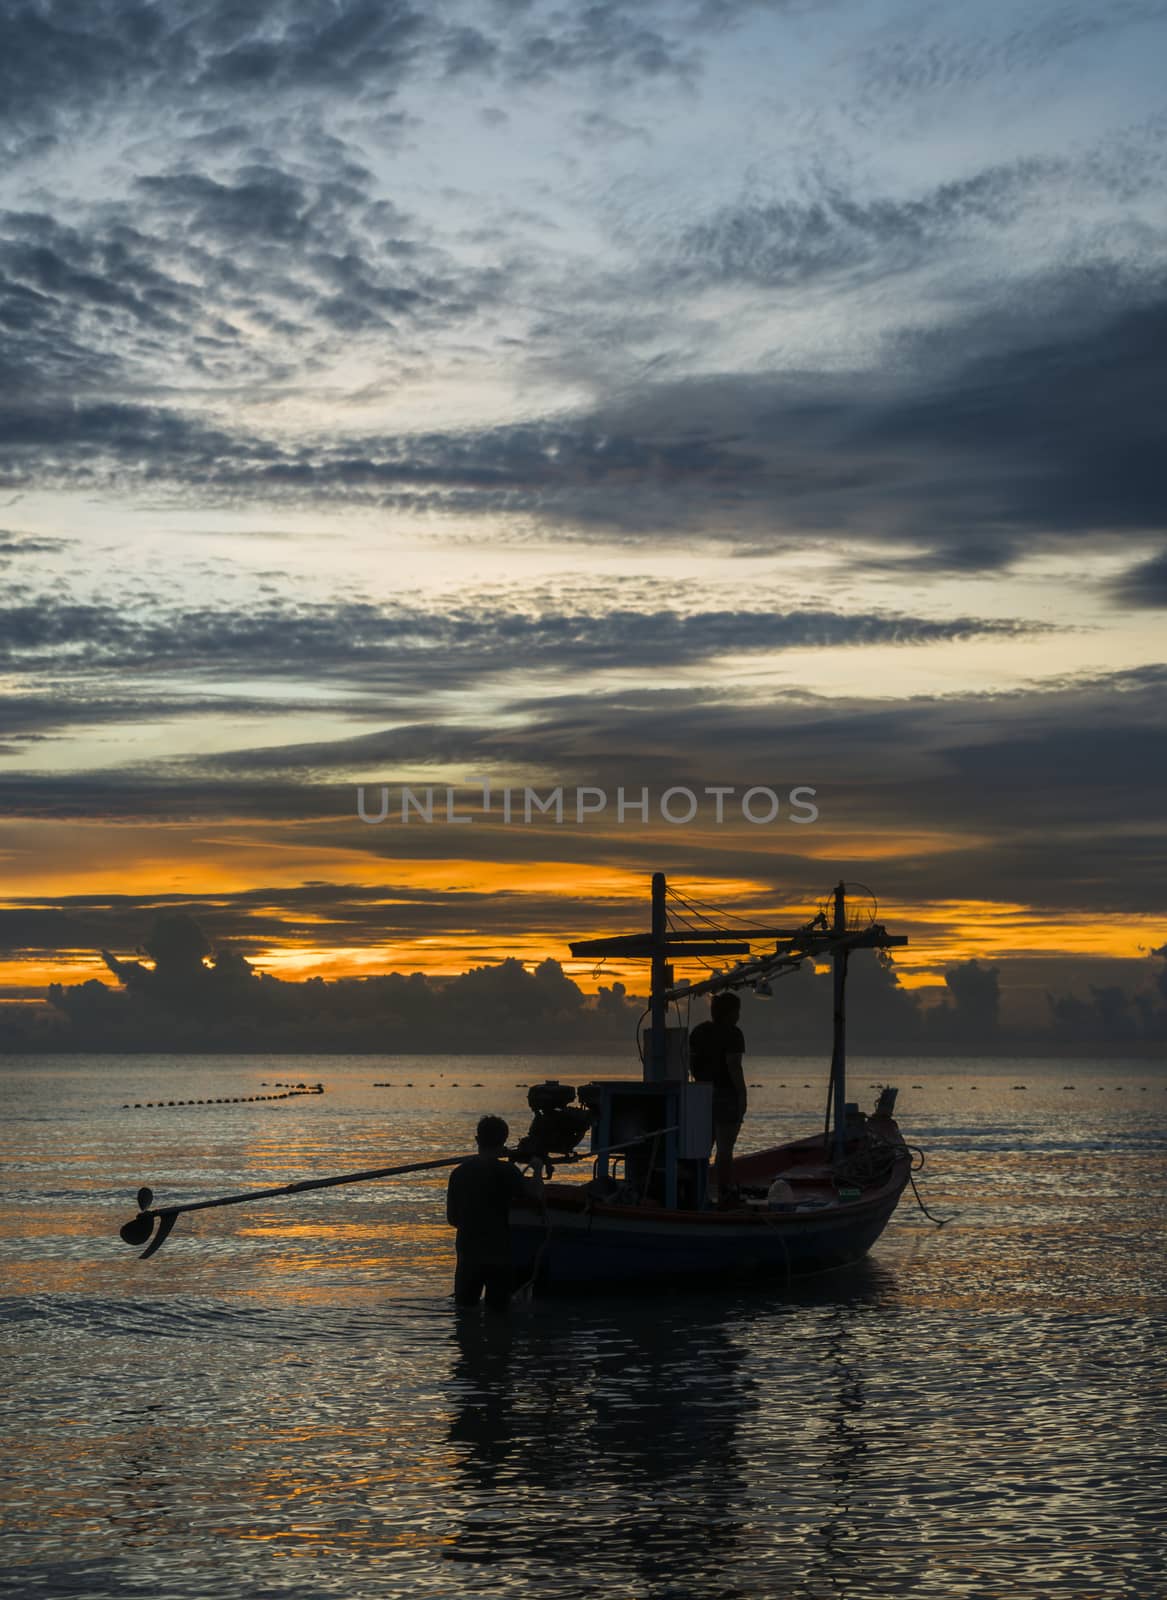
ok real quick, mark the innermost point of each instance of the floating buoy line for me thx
(388, 1084)
(289, 1092)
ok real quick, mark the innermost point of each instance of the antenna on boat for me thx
(837, 1097)
(662, 977)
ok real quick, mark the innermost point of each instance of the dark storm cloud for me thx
(1143, 586)
(153, 793)
(364, 644)
(974, 443)
(1072, 426)
(1051, 798)
(352, 913)
(26, 717)
(79, 442)
(981, 442)
(1072, 751)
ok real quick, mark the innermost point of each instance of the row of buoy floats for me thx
(1116, 1088)
(412, 1085)
(289, 1093)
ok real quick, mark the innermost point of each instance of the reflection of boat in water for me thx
(606, 1416)
(647, 1213)
(711, 1445)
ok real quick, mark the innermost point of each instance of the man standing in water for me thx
(716, 1048)
(479, 1197)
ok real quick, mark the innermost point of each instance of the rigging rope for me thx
(939, 1221)
(693, 905)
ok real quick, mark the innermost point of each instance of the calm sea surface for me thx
(283, 1403)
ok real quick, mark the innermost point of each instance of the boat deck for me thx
(804, 1164)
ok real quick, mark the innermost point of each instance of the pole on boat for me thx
(656, 1067)
(839, 1050)
(139, 1228)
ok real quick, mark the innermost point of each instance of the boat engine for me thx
(557, 1126)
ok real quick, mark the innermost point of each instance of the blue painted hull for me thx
(623, 1245)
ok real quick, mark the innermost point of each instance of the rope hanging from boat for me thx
(919, 1167)
(526, 1290)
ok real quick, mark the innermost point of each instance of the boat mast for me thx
(839, 953)
(822, 937)
(656, 1067)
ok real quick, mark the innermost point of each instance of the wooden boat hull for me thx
(588, 1242)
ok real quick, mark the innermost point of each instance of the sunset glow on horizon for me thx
(760, 408)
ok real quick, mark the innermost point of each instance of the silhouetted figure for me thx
(716, 1048)
(479, 1196)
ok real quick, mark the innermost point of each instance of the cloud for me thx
(263, 203)
(61, 65)
(28, 717)
(932, 58)
(253, 920)
(606, 37)
(600, 126)
(177, 999)
(1143, 586)
(19, 545)
(972, 444)
(179, 1002)
(1049, 798)
(254, 257)
(368, 646)
(251, 272)
(65, 68)
(836, 233)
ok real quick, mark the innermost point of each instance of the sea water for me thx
(282, 1401)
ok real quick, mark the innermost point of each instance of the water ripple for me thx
(282, 1403)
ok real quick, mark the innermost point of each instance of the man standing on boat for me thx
(479, 1197)
(716, 1048)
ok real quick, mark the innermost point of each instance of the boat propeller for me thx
(139, 1228)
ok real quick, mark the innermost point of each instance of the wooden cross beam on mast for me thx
(821, 937)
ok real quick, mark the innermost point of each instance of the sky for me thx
(644, 394)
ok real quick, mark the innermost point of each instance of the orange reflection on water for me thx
(361, 1537)
(35, 1223)
(412, 1232)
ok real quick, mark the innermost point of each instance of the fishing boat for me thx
(647, 1212)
